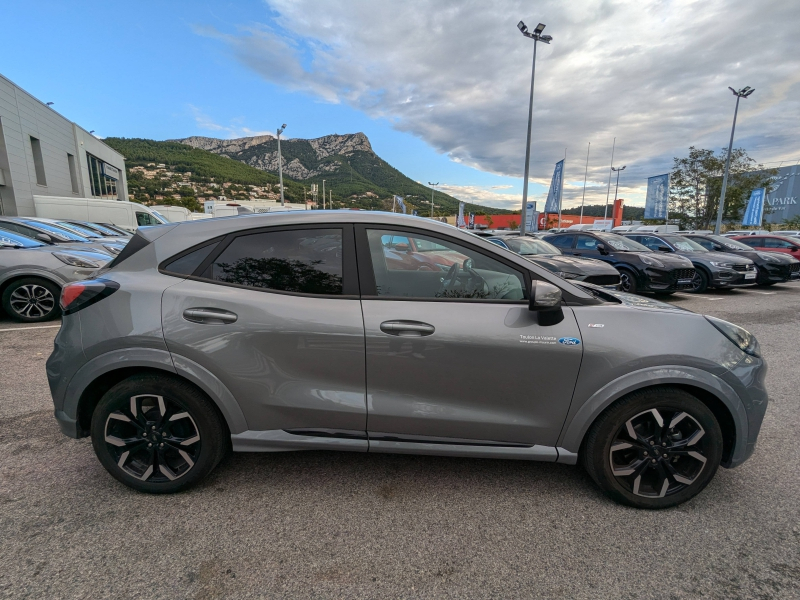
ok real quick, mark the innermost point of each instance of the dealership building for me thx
(44, 154)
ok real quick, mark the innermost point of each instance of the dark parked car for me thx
(712, 269)
(548, 256)
(640, 269)
(772, 243)
(773, 267)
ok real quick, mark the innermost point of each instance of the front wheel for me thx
(699, 282)
(654, 449)
(31, 300)
(627, 281)
(157, 434)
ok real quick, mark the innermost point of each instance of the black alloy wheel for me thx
(627, 281)
(654, 449)
(31, 300)
(699, 282)
(157, 434)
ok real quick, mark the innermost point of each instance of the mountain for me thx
(352, 170)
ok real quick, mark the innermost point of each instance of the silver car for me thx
(53, 234)
(32, 275)
(299, 331)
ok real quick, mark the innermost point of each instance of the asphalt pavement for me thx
(344, 525)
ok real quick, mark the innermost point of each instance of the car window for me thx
(586, 242)
(144, 219)
(26, 231)
(84, 231)
(308, 261)
(188, 263)
(58, 233)
(776, 243)
(528, 246)
(652, 243)
(441, 269)
(561, 241)
(499, 242)
(8, 238)
(617, 242)
(704, 242)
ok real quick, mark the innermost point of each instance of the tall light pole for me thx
(280, 162)
(616, 189)
(742, 93)
(610, 173)
(323, 194)
(536, 36)
(433, 188)
(585, 174)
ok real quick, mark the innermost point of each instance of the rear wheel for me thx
(32, 299)
(699, 282)
(157, 434)
(627, 281)
(654, 449)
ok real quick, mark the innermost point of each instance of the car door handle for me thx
(407, 328)
(209, 316)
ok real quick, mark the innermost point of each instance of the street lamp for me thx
(280, 162)
(616, 189)
(323, 194)
(536, 36)
(742, 93)
(433, 187)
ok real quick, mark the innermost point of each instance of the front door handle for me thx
(407, 328)
(209, 316)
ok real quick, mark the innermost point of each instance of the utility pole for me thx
(616, 189)
(743, 93)
(585, 174)
(280, 162)
(536, 36)
(433, 188)
(608, 192)
(323, 194)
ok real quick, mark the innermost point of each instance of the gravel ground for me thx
(320, 525)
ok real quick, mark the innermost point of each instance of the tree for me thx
(513, 225)
(489, 221)
(696, 185)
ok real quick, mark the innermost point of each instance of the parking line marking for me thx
(28, 328)
(765, 293)
(698, 296)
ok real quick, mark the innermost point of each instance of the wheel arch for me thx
(17, 275)
(712, 391)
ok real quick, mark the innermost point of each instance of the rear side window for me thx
(307, 261)
(188, 263)
(707, 244)
(561, 241)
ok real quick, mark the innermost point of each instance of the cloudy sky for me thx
(441, 87)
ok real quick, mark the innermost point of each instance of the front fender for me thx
(575, 429)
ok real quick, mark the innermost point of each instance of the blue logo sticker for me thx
(569, 341)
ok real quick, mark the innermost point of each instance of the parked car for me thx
(112, 243)
(548, 256)
(739, 232)
(772, 243)
(52, 234)
(712, 269)
(787, 233)
(239, 332)
(404, 253)
(640, 269)
(128, 215)
(102, 230)
(33, 273)
(773, 267)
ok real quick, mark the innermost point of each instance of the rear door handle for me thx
(407, 328)
(209, 316)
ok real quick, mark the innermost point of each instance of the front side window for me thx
(531, 246)
(776, 243)
(586, 242)
(144, 219)
(307, 261)
(617, 242)
(649, 241)
(437, 268)
(561, 241)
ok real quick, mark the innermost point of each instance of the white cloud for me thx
(481, 195)
(232, 131)
(456, 74)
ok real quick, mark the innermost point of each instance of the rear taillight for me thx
(79, 295)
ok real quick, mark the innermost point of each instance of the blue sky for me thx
(439, 86)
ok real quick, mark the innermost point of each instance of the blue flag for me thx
(556, 185)
(755, 208)
(400, 203)
(657, 201)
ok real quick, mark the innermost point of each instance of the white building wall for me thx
(23, 116)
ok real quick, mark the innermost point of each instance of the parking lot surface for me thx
(342, 525)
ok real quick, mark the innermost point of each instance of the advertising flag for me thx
(755, 208)
(414, 213)
(471, 224)
(400, 203)
(657, 201)
(556, 185)
(460, 222)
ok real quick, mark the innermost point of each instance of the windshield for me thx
(729, 243)
(617, 242)
(683, 244)
(15, 240)
(530, 246)
(99, 229)
(59, 232)
(84, 231)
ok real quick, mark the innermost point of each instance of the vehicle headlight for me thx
(724, 265)
(113, 249)
(649, 260)
(76, 261)
(743, 339)
(768, 257)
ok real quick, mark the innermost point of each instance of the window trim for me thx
(367, 275)
(349, 267)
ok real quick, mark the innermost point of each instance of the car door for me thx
(455, 356)
(773, 244)
(274, 314)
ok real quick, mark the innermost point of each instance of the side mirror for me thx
(718, 248)
(602, 248)
(545, 300)
(468, 264)
(664, 249)
(43, 237)
(401, 247)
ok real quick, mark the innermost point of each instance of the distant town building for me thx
(44, 154)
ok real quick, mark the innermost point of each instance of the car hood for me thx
(572, 264)
(630, 300)
(716, 257)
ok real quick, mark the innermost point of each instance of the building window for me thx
(38, 161)
(103, 178)
(73, 173)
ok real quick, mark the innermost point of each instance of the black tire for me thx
(167, 458)
(32, 300)
(640, 482)
(699, 283)
(627, 281)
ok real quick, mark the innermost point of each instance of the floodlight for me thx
(283, 126)
(750, 91)
(546, 39)
(539, 28)
(522, 27)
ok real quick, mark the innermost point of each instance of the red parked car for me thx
(772, 243)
